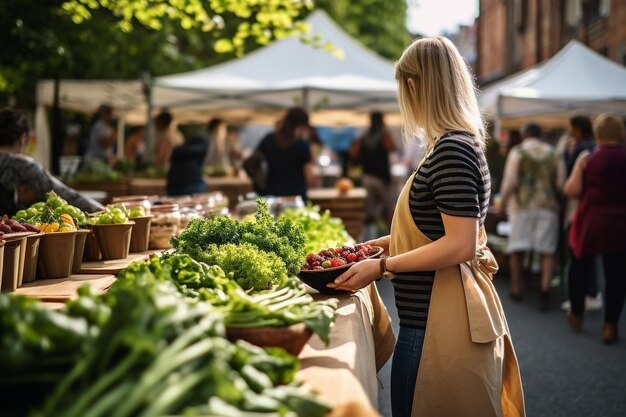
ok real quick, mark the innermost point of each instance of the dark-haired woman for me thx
(372, 151)
(288, 155)
(22, 180)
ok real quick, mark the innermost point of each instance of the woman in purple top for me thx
(599, 225)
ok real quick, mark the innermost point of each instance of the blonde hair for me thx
(444, 97)
(609, 127)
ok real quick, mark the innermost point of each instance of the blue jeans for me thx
(406, 361)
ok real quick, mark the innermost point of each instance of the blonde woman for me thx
(452, 326)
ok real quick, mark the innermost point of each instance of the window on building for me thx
(605, 8)
(520, 14)
(597, 8)
(573, 12)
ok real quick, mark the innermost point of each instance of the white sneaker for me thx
(594, 303)
(591, 303)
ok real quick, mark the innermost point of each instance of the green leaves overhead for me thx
(258, 20)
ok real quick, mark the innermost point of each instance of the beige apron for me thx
(468, 366)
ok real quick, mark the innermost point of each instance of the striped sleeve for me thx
(455, 179)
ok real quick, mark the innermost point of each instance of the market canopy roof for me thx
(258, 86)
(575, 80)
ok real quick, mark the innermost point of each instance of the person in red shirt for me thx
(599, 225)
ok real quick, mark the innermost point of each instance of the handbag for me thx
(256, 168)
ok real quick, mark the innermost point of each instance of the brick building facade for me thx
(517, 34)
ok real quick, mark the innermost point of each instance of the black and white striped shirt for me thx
(454, 179)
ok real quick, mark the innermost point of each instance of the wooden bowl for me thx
(291, 338)
(318, 279)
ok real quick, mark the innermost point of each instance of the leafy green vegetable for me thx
(39, 346)
(249, 266)
(320, 229)
(282, 305)
(160, 353)
(283, 237)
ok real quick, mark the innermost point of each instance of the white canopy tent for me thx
(575, 80)
(253, 89)
(256, 87)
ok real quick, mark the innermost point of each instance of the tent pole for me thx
(147, 91)
(121, 126)
(497, 126)
(305, 99)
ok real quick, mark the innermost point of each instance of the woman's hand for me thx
(383, 242)
(360, 275)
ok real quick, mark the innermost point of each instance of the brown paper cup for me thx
(1, 260)
(140, 237)
(92, 250)
(13, 266)
(30, 258)
(56, 254)
(113, 240)
(79, 250)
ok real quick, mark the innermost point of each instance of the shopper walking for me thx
(529, 192)
(287, 153)
(599, 225)
(452, 326)
(372, 151)
(578, 139)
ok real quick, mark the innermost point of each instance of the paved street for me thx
(564, 374)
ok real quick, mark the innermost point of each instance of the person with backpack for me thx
(529, 190)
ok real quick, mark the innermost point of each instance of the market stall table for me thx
(113, 266)
(361, 341)
(349, 207)
(231, 186)
(342, 373)
(59, 290)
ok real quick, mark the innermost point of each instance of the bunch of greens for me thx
(321, 230)
(283, 237)
(249, 266)
(283, 305)
(94, 170)
(39, 346)
(156, 352)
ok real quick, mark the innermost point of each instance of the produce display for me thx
(13, 226)
(112, 214)
(257, 253)
(321, 230)
(95, 170)
(283, 305)
(52, 215)
(165, 223)
(334, 257)
(138, 211)
(143, 349)
(155, 343)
